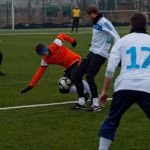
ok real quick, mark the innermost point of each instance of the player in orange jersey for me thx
(58, 54)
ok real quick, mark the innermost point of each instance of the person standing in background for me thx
(76, 17)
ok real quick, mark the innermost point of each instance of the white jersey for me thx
(134, 52)
(103, 34)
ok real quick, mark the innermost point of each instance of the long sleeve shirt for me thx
(103, 34)
(133, 50)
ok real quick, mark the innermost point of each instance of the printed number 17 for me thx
(134, 65)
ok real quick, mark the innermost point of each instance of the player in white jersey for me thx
(133, 83)
(103, 34)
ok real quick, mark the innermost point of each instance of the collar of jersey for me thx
(100, 15)
(139, 30)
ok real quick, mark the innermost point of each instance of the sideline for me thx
(40, 105)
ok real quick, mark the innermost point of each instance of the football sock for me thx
(95, 101)
(73, 89)
(104, 143)
(81, 100)
(86, 87)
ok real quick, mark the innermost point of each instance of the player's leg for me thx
(67, 73)
(144, 103)
(87, 92)
(70, 73)
(73, 24)
(86, 88)
(73, 89)
(122, 100)
(77, 24)
(78, 78)
(78, 81)
(73, 71)
(94, 67)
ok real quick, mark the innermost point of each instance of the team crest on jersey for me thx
(97, 27)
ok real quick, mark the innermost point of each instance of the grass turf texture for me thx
(55, 127)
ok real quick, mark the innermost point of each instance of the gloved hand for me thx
(74, 43)
(26, 89)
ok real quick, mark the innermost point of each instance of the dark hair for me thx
(92, 9)
(138, 20)
(39, 47)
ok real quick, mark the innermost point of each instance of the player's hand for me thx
(26, 89)
(74, 43)
(103, 98)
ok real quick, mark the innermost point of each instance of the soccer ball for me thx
(64, 84)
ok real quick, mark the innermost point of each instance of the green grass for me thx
(55, 127)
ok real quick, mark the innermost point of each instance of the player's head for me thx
(42, 50)
(138, 21)
(76, 7)
(92, 11)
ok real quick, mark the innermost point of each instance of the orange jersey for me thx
(60, 55)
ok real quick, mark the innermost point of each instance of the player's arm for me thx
(72, 13)
(35, 79)
(63, 37)
(58, 42)
(104, 94)
(37, 76)
(113, 62)
(79, 13)
(107, 28)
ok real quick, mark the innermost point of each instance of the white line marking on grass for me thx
(40, 105)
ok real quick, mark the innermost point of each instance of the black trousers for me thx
(75, 23)
(122, 101)
(89, 66)
(71, 71)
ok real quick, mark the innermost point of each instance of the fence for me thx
(49, 13)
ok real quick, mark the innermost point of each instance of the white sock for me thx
(81, 100)
(86, 87)
(73, 89)
(95, 101)
(104, 143)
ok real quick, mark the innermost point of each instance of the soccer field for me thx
(55, 127)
